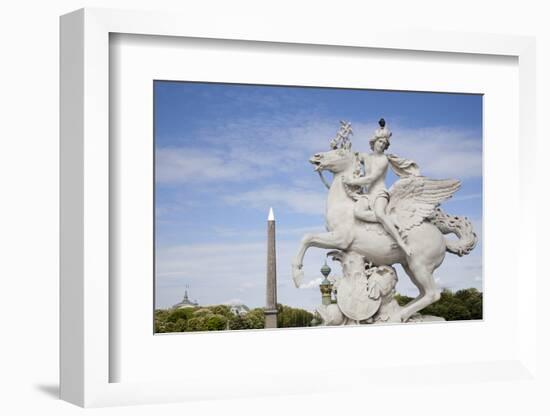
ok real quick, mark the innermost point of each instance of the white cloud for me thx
(312, 284)
(286, 232)
(265, 148)
(245, 149)
(187, 165)
(228, 270)
(298, 200)
(440, 152)
(248, 148)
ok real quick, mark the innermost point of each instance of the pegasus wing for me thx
(413, 199)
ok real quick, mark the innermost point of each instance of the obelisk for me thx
(271, 284)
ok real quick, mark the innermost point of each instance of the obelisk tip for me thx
(271, 217)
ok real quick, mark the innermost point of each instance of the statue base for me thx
(270, 318)
(333, 316)
(426, 318)
(365, 295)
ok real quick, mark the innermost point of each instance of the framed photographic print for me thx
(176, 142)
(226, 153)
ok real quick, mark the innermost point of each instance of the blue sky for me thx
(225, 153)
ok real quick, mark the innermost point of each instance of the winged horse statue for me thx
(412, 205)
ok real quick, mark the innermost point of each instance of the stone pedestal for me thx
(270, 319)
(366, 295)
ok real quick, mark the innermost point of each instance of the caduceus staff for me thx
(341, 141)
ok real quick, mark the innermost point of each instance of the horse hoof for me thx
(297, 275)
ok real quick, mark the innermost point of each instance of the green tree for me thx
(160, 320)
(402, 300)
(465, 304)
(181, 325)
(237, 322)
(255, 319)
(177, 314)
(288, 317)
(215, 322)
(458, 312)
(161, 314)
(167, 327)
(201, 312)
(221, 310)
(196, 324)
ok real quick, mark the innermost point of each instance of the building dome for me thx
(185, 303)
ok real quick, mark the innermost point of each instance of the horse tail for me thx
(461, 227)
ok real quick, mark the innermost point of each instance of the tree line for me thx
(465, 304)
(220, 317)
(462, 305)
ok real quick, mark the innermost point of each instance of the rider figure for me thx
(371, 205)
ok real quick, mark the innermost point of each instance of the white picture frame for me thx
(86, 262)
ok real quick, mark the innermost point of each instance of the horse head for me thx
(335, 161)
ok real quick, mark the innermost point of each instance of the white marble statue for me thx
(371, 228)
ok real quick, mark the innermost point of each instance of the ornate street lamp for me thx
(326, 286)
